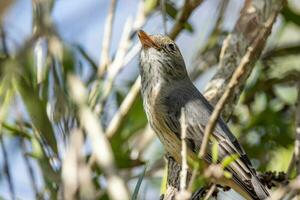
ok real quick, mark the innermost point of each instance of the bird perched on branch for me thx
(166, 89)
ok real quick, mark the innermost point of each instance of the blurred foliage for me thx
(132, 123)
(43, 113)
(264, 118)
(291, 16)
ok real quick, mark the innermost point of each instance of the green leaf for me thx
(290, 16)
(134, 121)
(44, 163)
(138, 185)
(16, 131)
(172, 12)
(215, 152)
(36, 109)
(150, 5)
(67, 62)
(227, 174)
(5, 104)
(280, 159)
(187, 26)
(164, 181)
(228, 160)
(287, 94)
(86, 56)
(198, 183)
(195, 163)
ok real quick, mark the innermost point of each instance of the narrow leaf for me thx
(37, 112)
(215, 152)
(229, 159)
(138, 185)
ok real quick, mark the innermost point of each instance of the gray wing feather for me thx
(197, 112)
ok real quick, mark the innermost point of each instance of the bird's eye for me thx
(171, 47)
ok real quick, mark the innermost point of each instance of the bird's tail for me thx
(260, 190)
(251, 189)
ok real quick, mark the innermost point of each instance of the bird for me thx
(166, 91)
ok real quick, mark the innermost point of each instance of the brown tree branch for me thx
(183, 194)
(106, 41)
(4, 5)
(164, 15)
(188, 7)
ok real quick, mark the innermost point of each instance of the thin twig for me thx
(7, 168)
(29, 169)
(116, 66)
(42, 22)
(134, 91)
(121, 59)
(210, 192)
(76, 174)
(70, 165)
(104, 154)
(181, 18)
(183, 152)
(164, 15)
(3, 42)
(4, 5)
(183, 193)
(102, 150)
(106, 41)
(5, 105)
(124, 109)
(140, 18)
(15, 130)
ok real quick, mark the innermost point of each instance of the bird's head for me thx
(160, 57)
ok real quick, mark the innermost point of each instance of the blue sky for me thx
(81, 22)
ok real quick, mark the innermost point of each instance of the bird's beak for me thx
(146, 40)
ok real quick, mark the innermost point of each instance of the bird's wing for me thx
(196, 117)
(197, 112)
